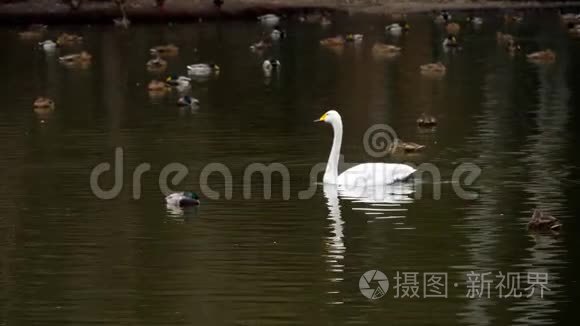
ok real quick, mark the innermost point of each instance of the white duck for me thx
(366, 174)
(48, 45)
(203, 69)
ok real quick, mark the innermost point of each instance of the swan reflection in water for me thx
(380, 202)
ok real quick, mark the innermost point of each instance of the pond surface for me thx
(68, 257)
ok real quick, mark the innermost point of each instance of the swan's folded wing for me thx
(375, 174)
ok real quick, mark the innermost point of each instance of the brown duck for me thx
(543, 222)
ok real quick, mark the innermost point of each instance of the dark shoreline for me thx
(45, 11)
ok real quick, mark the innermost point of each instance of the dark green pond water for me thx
(68, 257)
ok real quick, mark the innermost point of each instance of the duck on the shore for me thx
(168, 50)
(269, 19)
(544, 56)
(182, 199)
(277, 34)
(453, 28)
(48, 46)
(81, 58)
(269, 65)
(156, 64)
(542, 222)
(426, 120)
(203, 69)
(188, 101)
(43, 103)
(381, 50)
(66, 39)
(397, 29)
(433, 69)
(333, 41)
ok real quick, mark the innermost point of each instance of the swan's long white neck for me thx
(331, 173)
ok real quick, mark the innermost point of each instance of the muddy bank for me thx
(148, 11)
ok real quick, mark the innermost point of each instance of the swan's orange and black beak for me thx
(321, 119)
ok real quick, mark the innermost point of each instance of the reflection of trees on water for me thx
(537, 170)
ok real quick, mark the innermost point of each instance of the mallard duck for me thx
(443, 17)
(182, 199)
(333, 41)
(570, 17)
(513, 48)
(277, 34)
(574, 29)
(397, 29)
(453, 28)
(385, 50)
(76, 58)
(157, 86)
(325, 21)
(269, 19)
(43, 103)
(187, 101)
(203, 69)
(514, 18)
(122, 22)
(545, 56)
(450, 42)
(542, 222)
(260, 45)
(406, 147)
(34, 32)
(503, 38)
(65, 39)
(156, 64)
(426, 120)
(475, 21)
(169, 50)
(355, 38)
(178, 81)
(269, 65)
(433, 69)
(48, 45)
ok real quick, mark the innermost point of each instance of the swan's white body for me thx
(48, 45)
(367, 174)
(269, 19)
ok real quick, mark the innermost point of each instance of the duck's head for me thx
(405, 25)
(192, 199)
(330, 116)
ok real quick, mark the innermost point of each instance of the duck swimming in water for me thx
(397, 29)
(426, 121)
(269, 65)
(543, 222)
(188, 101)
(48, 45)
(182, 199)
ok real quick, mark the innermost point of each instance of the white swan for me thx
(366, 174)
